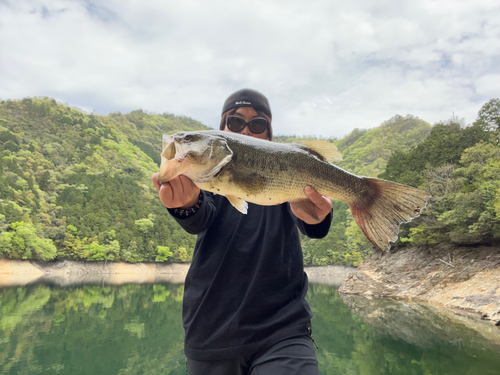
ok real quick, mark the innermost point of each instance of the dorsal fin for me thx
(326, 150)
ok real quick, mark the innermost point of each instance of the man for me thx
(244, 308)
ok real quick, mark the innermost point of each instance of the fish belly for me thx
(277, 187)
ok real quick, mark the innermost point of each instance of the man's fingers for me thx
(166, 194)
(175, 184)
(315, 197)
(186, 183)
(178, 192)
(155, 181)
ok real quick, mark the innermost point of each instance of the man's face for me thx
(247, 114)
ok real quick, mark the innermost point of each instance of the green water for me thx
(136, 329)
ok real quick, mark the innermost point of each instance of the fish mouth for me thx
(170, 170)
(173, 163)
(167, 155)
(168, 147)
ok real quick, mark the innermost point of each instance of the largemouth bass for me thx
(246, 169)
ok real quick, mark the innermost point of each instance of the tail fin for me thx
(387, 205)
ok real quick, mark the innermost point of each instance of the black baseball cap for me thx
(247, 98)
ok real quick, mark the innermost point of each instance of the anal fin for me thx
(238, 203)
(308, 207)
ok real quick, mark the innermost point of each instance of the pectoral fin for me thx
(248, 181)
(238, 203)
(308, 207)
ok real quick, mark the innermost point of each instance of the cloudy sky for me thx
(327, 66)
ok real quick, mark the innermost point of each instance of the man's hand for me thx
(179, 192)
(322, 204)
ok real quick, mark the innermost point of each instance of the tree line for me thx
(77, 186)
(460, 166)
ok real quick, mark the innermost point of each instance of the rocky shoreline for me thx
(64, 273)
(459, 277)
(23, 272)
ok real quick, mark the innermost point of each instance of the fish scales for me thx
(287, 170)
(246, 169)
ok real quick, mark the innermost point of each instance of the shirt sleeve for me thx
(201, 219)
(319, 230)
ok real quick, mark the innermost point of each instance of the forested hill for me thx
(366, 152)
(77, 186)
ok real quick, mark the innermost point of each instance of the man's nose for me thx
(246, 131)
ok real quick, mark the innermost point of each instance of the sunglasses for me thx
(237, 124)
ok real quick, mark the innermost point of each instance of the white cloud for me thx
(326, 67)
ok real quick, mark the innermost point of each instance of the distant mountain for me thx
(366, 152)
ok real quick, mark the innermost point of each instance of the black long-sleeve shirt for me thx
(246, 287)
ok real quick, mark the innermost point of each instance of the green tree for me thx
(96, 251)
(489, 114)
(181, 255)
(23, 242)
(463, 207)
(131, 253)
(473, 217)
(358, 245)
(445, 144)
(144, 225)
(367, 153)
(164, 254)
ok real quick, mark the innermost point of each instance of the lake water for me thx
(136, 329)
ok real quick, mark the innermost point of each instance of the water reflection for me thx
(425, 325)
(361, 336)
(136, 329)
(130, 329)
